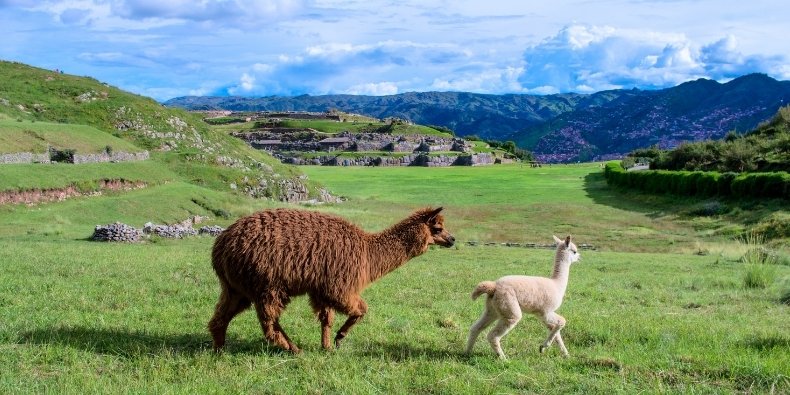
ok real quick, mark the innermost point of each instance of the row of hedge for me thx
(701, 183)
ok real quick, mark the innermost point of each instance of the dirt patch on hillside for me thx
(36, 195)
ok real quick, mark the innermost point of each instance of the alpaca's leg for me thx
(279, 329)
(269, 310)
(555, 323)
(488, 317)
(560, 343)
(326, 316)
(229, 305)
(510, 315)
(355, 309)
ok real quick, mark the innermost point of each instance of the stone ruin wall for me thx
(407, 160)
(28, 157)
(114, 157)
(24, 157)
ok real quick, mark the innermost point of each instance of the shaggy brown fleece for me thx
(266, 258)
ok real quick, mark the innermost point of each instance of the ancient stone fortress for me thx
(310, 147)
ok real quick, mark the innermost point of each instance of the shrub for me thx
(776, 226)
(708, 183)
(724, 183)
(711, 208)
(760, 271)
(64, 155)
(759, 276)
(762, 185)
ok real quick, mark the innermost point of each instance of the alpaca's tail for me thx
(487, 287)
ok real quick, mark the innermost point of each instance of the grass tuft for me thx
(784, 298)
(759, 276)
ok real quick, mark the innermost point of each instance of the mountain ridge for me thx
(560, 127)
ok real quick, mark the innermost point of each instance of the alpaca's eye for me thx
(437, 230)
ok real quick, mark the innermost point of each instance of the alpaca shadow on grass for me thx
(134, 344)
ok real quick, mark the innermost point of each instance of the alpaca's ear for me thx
(556, 239)
(432, 215)
(568, 241)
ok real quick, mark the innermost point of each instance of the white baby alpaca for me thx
(510, 296)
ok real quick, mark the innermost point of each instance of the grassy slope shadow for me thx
(134, 344)
(601, 193)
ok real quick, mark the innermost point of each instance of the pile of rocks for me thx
(212, 230)
(122, 232)
(169, 231)
(116, 232)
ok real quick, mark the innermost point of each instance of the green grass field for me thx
(660, 307)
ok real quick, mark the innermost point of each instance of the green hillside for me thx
(40, 107)
(766, 148)
(36, 137)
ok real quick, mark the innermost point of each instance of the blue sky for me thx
(165, 49)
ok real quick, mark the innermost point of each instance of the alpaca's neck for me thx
(561, 271)
(392, 248)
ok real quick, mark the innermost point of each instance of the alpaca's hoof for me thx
(339, 339)
(542, 348)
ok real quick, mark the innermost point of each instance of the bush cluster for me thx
(701, 183)
(764, 149)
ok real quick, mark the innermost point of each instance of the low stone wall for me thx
(28, 157)
(114, 157)
(24, 157)
(474, 243)
(120, 232)
(117, 232)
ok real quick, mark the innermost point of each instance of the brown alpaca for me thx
(266, 258)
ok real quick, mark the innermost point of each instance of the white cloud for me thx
(593, 58)
(246, 85)
(288, 47)
(262, 68)
(373, 89)
(486, 80)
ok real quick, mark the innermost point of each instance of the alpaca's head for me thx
(568, 249)
(434, 225)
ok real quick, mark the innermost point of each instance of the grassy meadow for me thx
(660, 303)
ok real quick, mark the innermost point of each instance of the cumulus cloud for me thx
(244, 87)
(586, 58)
(373, 89)
(381, 68)
(486, 79)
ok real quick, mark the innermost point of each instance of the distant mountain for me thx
(561, 127)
